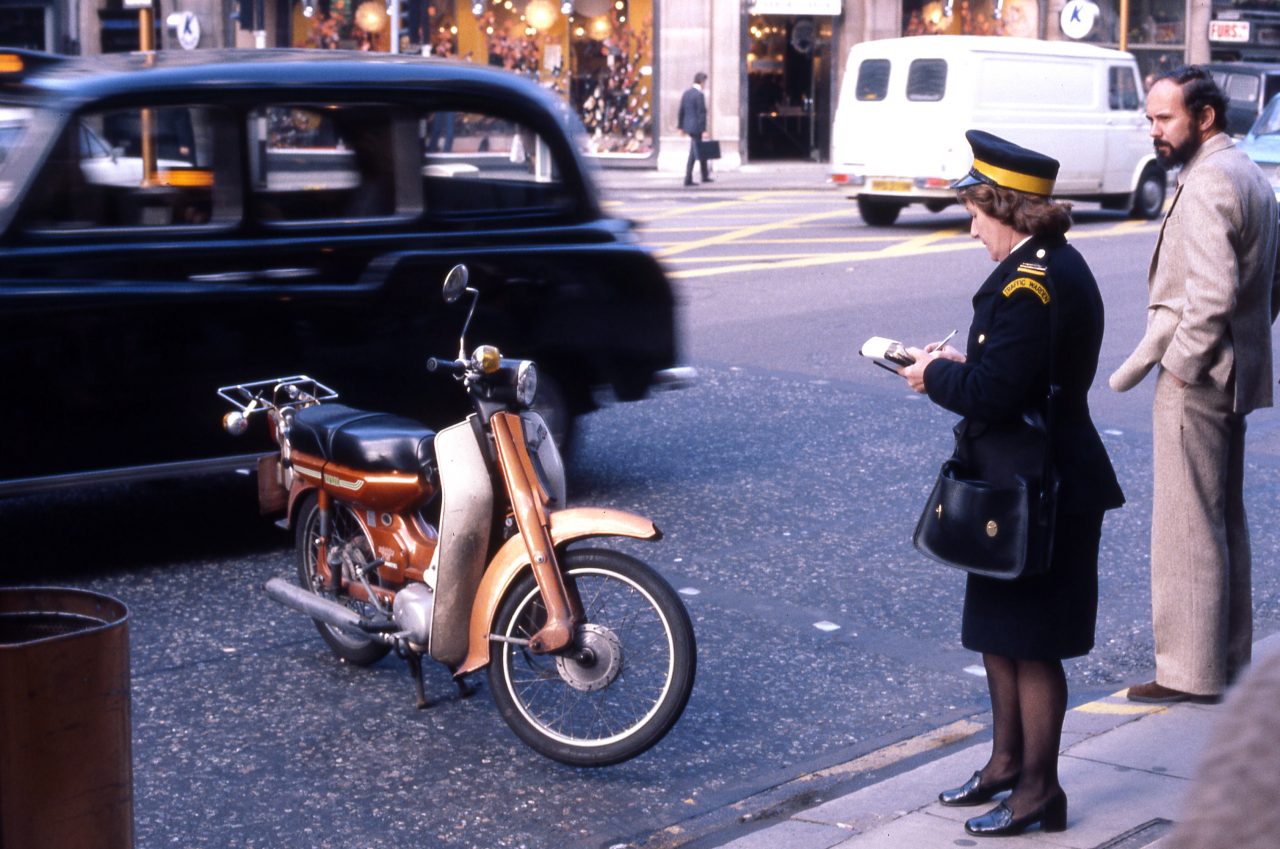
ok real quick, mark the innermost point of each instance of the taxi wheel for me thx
(552, 402)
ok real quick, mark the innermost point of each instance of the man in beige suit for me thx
(1213, 298)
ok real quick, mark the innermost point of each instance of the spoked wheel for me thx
(622, 685)
(348, 542)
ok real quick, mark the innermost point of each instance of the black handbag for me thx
(999, 524)
(1000, 530)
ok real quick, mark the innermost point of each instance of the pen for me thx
(945, 340)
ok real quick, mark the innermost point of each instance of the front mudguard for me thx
(513, 558)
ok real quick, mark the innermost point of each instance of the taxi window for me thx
(927, 79)
(14, 122)
(324, 162)
(476, 164)
(873, 79)
(171, 166)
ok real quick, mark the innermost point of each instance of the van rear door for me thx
(897, 123)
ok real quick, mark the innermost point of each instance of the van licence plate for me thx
(890, 185)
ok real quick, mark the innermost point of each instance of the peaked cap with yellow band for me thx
(1001, 163)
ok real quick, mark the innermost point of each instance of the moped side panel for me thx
(566, 526)
(466, 517)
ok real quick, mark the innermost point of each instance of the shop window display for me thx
(972, 17)
(1156, 30)
(597, 54)
(341, 24)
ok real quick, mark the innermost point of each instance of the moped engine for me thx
(412, 612)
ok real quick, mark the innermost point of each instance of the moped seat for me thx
(375, 442)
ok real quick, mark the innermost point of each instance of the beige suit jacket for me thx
(1213, 287)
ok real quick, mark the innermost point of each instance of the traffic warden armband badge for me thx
(1027, 283)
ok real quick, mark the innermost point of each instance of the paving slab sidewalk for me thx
(1125, 767)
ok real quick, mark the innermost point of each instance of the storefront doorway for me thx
(789, 76)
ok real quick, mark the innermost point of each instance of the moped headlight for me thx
(526, 382)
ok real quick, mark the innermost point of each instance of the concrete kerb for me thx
(752, 177)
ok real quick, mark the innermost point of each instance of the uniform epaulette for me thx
(1032, 268)
(1027, 283)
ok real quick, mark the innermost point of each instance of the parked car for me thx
(1262, 143)
(905, 104)
(1249, 86)
(172, 223)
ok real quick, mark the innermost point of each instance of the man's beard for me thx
(1168, 156)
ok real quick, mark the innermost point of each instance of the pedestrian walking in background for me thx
(1213, 299)
(692, 120)
(1024, 628)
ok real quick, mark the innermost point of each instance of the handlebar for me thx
(453, 367)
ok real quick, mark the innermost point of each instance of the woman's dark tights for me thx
(1028, 705)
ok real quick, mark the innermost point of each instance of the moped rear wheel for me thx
(344, 533)
(625, 681)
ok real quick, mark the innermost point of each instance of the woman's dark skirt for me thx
(1045, 618)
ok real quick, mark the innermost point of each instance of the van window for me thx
(873, 79)
(927, 79)
(1122, 88)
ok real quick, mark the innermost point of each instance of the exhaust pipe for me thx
(321, 609)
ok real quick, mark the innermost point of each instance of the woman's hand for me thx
(914, 373)
(944, 352)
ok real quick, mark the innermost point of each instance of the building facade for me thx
(775, 66)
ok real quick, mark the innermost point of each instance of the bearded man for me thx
(1213, 299)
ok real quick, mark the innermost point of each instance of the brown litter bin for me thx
(66, 762)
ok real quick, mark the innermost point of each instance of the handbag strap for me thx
(1050, 395)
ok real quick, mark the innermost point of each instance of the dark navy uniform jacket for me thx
(1006, 372)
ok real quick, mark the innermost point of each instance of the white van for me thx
(906, 103)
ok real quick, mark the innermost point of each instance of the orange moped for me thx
(459, 546)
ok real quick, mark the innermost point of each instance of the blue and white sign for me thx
(187, 27)
(1078, 17)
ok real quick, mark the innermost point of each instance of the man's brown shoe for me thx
(1157, 694)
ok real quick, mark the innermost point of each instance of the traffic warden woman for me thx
(1026, 627)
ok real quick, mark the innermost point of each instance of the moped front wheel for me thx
(621, 686)
(348, 538)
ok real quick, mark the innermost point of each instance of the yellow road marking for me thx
(747, 232)
(889, 755)
(675, 212)
(928, 243)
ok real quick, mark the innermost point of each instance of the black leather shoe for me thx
(707, 180)
(1000, 822)
(688, 182)
(974, 792)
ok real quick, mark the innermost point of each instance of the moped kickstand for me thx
(414, 660)
(415, 671)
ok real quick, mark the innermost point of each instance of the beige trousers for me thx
(1201, 592)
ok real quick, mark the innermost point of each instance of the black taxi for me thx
(175, 222)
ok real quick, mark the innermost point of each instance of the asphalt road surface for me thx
(787, 484)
